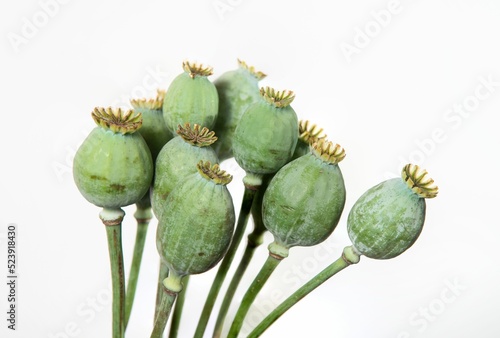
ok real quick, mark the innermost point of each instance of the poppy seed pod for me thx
(305, 199)
(237, 90)
(191, 97)
(309, 133)
(178, 159)
(266, 135)
(113, 167)
(154, 130)
(388, 218)
(196, 232)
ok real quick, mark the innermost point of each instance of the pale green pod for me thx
(237, 90)
(265, 138)
(196, 232)
(192, 98)
(305, 199)
(178, 159)
(113, 167)
(388, 218)
(154, 130)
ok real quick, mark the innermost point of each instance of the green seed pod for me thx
(196, 232)
(266, 136)
(237, 90)
(305, 199)
(113, 167)
(154, 130)
(178, 159)
(388, 218)
(191, 97)
(309, 133)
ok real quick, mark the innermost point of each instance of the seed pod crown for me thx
(197, 69)
(214, 173)
(117, 120)
(279, 99)
(197, 135)
(418, 181)
(151, 103)
(251, 69)
(310, 132)
(327, 151)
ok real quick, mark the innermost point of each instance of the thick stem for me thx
(246, 205)
(171, 287)
(112, 219)
(252, 292)
(349, 256)
(162, 275)
(255, 238)
(179, 304)
(143, 216)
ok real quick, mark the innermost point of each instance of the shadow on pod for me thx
(309, 133)
(154, 130)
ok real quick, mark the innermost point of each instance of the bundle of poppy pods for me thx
(163, 155)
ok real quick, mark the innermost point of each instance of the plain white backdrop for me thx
(391, 81)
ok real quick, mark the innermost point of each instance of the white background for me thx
(389, 91)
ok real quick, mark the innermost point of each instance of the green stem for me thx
(349, 257)
(112, 219)
(252, 292)
(171, 287)
(246, 205)
(176, 315)
(255, 239)
(143, 215)
(162, 275)
(167, 300)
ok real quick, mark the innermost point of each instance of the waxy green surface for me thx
(196, 231)
(113, 170)
(301, 149)
(192, 100)
(386, 220)
(154, 130)
(304, 201)
(265, 138)
(176, 161)
(237, 90)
